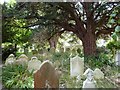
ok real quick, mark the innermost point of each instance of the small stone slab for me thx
(98, 74)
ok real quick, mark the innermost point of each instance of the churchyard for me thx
(60, 45)
(74, 72)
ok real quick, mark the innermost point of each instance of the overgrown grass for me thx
(16, 76)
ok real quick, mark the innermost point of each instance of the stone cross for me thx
(46, 76)
(89, 82)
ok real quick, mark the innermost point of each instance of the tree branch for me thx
(71, 11)
(105, 31)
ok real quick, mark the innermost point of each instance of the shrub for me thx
(16, 76)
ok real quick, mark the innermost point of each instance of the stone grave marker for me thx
(76, 66)
(22, 60)
(10, 60)
(34, 64)
(117, 58)
(89, 82)
(98, 74)
(46, 76)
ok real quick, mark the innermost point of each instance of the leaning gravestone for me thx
(22, 60)
(117, 58)
(46, 76)
(34, 64)
(76, 66)
(10, 60)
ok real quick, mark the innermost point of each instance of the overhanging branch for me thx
(105, 31)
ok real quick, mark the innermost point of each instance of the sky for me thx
(2, 1)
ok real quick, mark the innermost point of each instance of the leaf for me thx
(117, 29)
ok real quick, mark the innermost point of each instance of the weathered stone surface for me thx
(76, 66)
(89, 82)
(98, 74)
(10, 60)
(34, 64)
(117, 58)
(22, 60)
(46, 76)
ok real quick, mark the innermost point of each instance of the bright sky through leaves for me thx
(8, 1)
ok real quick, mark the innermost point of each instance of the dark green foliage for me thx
(99, 61)
(16, 76)
(63, 58)
(114, 44)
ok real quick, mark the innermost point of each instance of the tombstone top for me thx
(11, 56)
(77, 58)
(97, 69)
(23, 56)
(34, 58)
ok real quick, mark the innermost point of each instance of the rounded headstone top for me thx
(34, 58)
(98, 70)
(11, 56)
(23, 56)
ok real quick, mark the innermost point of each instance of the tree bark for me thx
(53, 40)
(89, 44)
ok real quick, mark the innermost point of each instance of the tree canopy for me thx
(87, 20)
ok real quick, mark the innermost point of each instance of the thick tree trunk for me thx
(89, 44)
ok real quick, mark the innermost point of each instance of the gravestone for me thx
(34, 64)
(22, 60)
(76, 66)
(98, 74)
(46, 76)
(10, 60)
(117, 58)
(89, 82)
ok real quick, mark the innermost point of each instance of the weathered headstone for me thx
(46, 76)
(117, 58)
(34, 64)
(22, 60)
(10, 60)
(98, 74)
(76, 66)
(89, 82)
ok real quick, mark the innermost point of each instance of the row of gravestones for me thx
(77, 70)
(33, 64)
(45, 75)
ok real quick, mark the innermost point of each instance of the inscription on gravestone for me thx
(46, 76)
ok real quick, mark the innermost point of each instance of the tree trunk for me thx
(53, 41)
(89, 44)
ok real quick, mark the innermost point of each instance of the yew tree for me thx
(87, 20)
